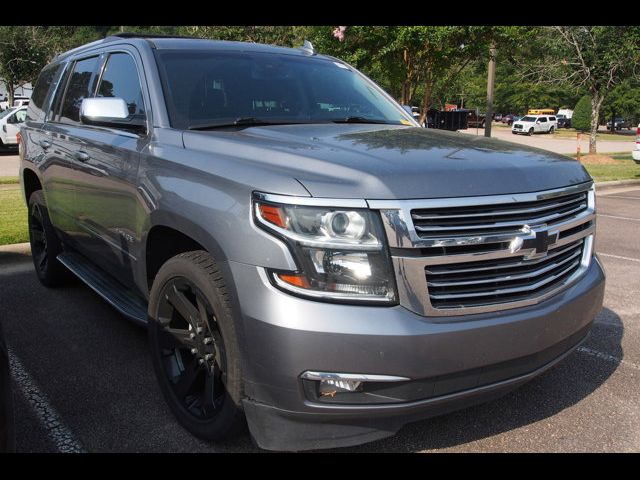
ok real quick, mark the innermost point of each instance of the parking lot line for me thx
(620, 196)
(50, 420)
(607, 357)
(619, 218)
(618, 257)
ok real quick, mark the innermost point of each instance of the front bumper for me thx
(636, 155)
(453, 362)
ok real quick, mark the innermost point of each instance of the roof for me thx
(161, 42)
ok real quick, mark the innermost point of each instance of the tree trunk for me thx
(596, 103)
(10, 93)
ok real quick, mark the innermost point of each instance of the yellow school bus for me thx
(541, 111)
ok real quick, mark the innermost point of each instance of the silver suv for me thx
(301, 252)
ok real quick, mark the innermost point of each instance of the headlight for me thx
(340, 252)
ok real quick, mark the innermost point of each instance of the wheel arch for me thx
(30, 183)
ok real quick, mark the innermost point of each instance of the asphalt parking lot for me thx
(84, 381)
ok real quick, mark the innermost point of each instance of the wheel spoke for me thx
(208, 396)
(202, 310)
(186, 309)
(42, 260)
(37, 235)
(187, 379)
(178, 337)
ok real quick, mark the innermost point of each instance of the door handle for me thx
(81, 156)
(45, 144)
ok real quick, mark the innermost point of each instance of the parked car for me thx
(497, 117)
(329, 275)
(475, 120)
(530, 124)
(620, 123)
(636, 151)
(7, 440)
(508, 119)
(10, 122)
(563, 121)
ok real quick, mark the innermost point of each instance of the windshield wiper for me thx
(360, 120)
(239, 122)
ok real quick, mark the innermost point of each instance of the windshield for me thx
(218, 88)
(528, 119)
(7, 112)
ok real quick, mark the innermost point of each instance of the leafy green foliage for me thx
(581, 119)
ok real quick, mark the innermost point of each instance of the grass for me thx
(605, 173)
(571, 133)
(623, 169)
(9, 180)
(13, 217)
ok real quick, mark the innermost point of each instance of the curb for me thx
(18, 248)
(616, 183)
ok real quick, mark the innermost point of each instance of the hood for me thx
(390, 162)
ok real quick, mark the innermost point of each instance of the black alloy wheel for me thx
(38, 237)
(45, 244)
(192, 348)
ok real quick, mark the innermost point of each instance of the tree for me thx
(624, 101)
(581, 119)
(23, 53)
(595, 59)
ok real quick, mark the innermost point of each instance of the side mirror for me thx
(109, 112)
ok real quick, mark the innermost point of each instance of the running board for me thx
(124, 300)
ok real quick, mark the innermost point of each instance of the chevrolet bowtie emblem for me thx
(541, 241)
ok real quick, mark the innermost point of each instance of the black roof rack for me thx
(148, 35)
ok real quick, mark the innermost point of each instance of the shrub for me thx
(581, 119)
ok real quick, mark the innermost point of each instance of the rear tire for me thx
(551, 130)
(196, 359)
(45, 244)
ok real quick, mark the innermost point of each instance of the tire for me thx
(45, 244)
(201, 382)
(551, 130)
(531, 132)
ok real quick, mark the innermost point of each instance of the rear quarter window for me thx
(41, 92)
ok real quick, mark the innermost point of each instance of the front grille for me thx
(464, 285)
(517, 126)
(457, 256)
(487, 219)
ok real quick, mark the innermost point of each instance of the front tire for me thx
(531, 132)
(45, 244)
(194, 347)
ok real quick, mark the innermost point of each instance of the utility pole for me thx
(490, 88)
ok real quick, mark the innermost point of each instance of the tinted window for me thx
(543, 119)
(77, 89)
(219, 87)
(552, 119)
(120, 80)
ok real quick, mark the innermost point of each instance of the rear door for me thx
(108, 208)
(61, 142)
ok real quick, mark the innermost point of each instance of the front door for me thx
(108, 207)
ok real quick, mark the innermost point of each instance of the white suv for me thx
(636, 152)
(531, 124)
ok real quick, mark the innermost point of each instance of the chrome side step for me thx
(124, 300)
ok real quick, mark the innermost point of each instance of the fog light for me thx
(325, 384)
(333, 385)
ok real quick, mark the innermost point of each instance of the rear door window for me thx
(41, 91)
(78, 88)
(543, 119)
